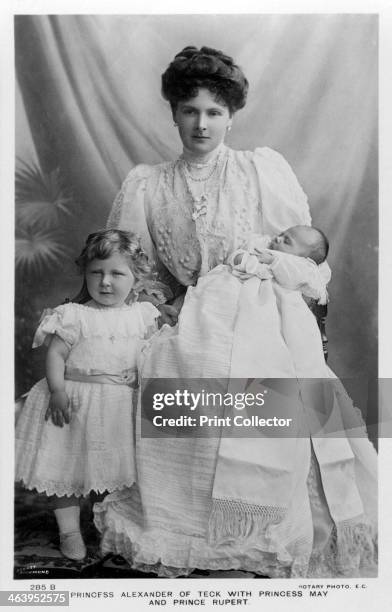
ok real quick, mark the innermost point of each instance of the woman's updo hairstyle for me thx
(193, 69)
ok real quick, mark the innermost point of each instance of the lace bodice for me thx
(249, 193)
(100, 341)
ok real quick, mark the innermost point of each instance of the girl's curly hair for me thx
(208, 68)
(104, 243)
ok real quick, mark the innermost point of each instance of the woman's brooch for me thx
(199, 207)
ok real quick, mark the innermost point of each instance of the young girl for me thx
(87, 444)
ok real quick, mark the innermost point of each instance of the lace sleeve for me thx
(114, 217)
(129, 212)
(284, 202)
(61, 321)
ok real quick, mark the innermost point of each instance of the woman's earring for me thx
(175, 124)
(228, 128)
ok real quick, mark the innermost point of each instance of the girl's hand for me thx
(59, 409)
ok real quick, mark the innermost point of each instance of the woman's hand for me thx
(264, 256)
(170, 312)
(59, 409)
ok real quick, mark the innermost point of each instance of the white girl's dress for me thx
(95, 451)
(163, 523)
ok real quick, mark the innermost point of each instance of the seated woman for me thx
(191, 214)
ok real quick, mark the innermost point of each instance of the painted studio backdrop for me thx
(88, 108)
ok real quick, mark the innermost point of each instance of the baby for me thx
(257, 292)
(303, 246)
(302, 240)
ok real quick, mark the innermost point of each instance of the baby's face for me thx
(297, 240)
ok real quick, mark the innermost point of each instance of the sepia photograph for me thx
(196, 204)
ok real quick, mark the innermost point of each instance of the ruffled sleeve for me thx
(61, 321)
(284, 202)
(130, 212)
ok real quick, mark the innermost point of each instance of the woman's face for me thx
(202, 122)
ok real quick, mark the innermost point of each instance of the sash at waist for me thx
(126, 377)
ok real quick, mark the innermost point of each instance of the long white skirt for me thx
(229, 329)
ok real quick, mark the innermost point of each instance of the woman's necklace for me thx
(200, 199)
(200, 178)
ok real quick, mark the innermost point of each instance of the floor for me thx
(36, 547)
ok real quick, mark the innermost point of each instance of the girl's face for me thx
(202, 122)
(109, 281)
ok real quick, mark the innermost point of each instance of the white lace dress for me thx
(96, 450)
(161, 523)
